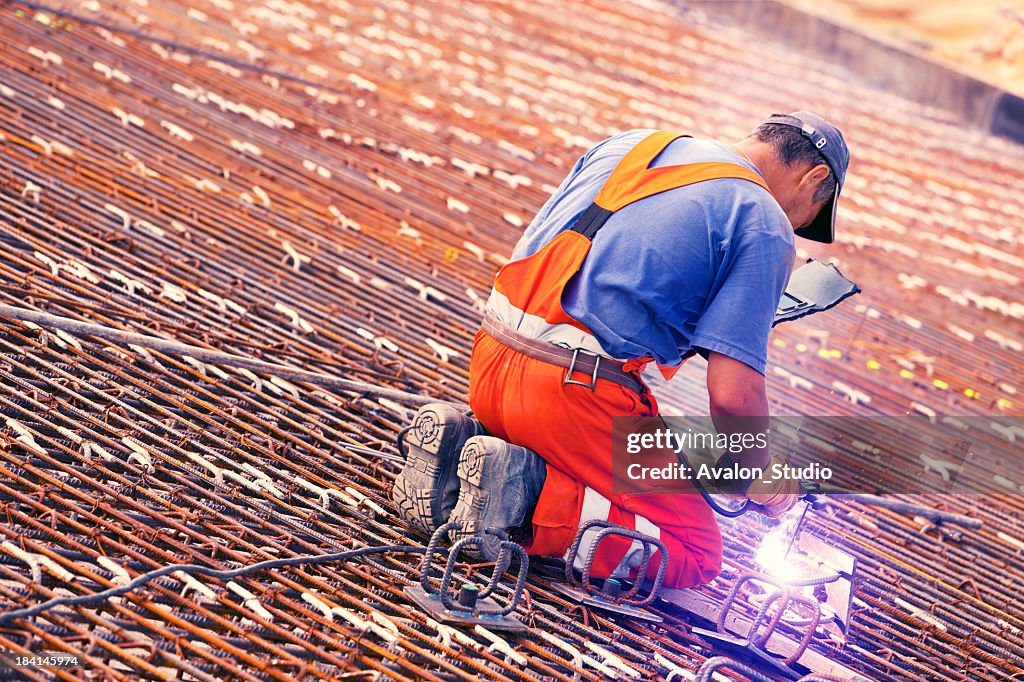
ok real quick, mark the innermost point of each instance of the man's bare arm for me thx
(739, 403)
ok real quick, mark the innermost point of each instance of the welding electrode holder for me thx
(816, 503)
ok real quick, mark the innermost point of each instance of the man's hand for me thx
(775, 495)
(739, 405)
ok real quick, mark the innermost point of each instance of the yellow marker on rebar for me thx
(873, 364)
(970, 393)
(801, 347)
(779, 343)
(906, 374)
(1004, 403)
(835, 354)
(823, 353)
(939, 383)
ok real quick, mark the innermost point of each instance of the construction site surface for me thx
(331, 185)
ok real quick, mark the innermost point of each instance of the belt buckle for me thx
(568, 380)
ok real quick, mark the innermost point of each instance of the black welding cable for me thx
(712, 502)
(193, 569)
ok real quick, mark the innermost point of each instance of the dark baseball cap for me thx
(830, 143)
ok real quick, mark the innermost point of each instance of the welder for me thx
(655, 247)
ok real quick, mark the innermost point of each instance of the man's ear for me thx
(816, 175)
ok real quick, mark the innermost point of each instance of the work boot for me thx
(427, 488)
(499, 483)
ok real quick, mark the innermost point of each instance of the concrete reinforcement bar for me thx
(974, 102)
(177, 348)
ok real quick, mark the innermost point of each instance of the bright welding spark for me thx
(772, 553)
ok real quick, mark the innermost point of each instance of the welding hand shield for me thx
(813, 287)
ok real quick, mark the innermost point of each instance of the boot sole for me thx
(473, 506)
(472, 497)
(433, 446)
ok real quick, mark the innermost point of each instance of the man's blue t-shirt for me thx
(700, 267)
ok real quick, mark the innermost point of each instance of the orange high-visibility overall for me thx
(527, 402)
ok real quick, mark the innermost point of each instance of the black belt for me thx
(575, 360)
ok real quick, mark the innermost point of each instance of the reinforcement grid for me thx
(332, 185)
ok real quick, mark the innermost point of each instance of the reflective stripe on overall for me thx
(526, 402)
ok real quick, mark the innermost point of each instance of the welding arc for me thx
(194, 569)
(215, 357)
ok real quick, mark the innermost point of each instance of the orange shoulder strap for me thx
(633, 179)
